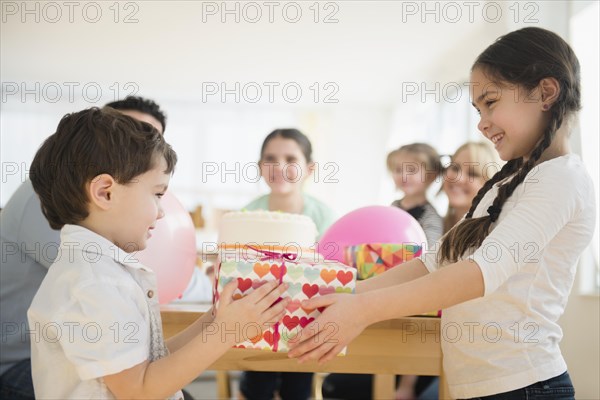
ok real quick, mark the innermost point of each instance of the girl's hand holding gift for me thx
(330, 332)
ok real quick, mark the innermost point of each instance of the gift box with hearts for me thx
(306, 274)
(373, 259)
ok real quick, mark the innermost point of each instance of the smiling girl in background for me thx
(414, 167)
(285, 164)
(473, 164)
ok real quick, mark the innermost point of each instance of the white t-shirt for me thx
(509, 338)
(90, 318)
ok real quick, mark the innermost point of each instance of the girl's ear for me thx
(311, 168)
(100, 191)
(550, 90)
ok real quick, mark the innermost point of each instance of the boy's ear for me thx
(550, 90)
(100, 191)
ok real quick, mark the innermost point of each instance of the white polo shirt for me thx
(509, 338)
(90, 317)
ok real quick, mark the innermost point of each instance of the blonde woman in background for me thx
(472, 165)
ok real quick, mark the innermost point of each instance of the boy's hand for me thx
(256, 310)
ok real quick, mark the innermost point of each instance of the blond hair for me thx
(486, 163)
(428, 156)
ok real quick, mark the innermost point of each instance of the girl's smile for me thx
(510, 117)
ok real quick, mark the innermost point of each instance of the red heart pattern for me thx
(305, 321)
(244, 284)
(268, 336)
(290, 322)
(345, 277)
(310, 290)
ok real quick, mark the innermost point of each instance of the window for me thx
(584, 35)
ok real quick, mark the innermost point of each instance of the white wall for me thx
(581, 329)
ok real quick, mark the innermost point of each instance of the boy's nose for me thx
(161, 213)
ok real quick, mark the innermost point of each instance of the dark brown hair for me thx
(522, 58)
(86, 144)
(295, 135)
(146, 106)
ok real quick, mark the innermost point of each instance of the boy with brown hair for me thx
(95, 321)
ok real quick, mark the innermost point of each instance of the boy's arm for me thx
(164, 377)
(176, 342)
(406, 272)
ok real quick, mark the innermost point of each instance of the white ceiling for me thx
(170, 51)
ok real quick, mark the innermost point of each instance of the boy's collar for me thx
(82, 239)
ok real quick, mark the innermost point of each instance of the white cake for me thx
(267, 227)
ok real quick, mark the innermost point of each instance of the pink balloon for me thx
(374, 224)
(171, 251)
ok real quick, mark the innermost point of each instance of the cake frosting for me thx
(267, 228)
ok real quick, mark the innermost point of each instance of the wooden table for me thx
(405, 346)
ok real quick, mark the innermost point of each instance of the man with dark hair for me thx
(29, 246)
(142, 109)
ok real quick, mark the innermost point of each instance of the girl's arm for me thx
(527, 225)
(406, 272)
(234, 320)
(448, 286)
(176, 342)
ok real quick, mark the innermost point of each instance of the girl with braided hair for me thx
(504, 273)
